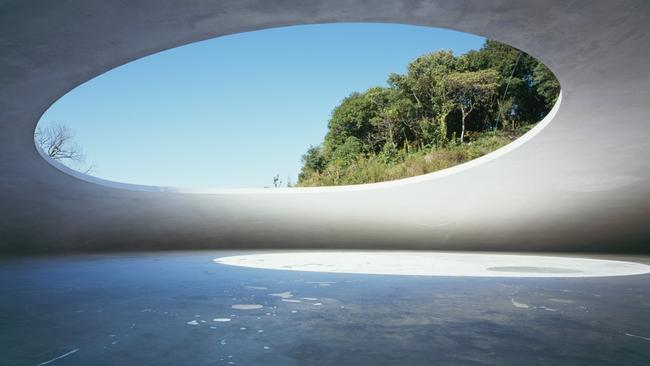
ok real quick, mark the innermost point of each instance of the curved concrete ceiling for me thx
(582, 182)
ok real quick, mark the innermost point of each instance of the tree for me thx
(518, 95)
(546, 84)
(313, 162)
(57, 143)
(384, 126)
(277, 182)
(313, 159)
(423, 80)
(468, 89)
(346, 153)
(352, 118)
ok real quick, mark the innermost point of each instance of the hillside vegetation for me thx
(444, 111)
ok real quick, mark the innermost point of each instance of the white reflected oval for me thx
(437, 264)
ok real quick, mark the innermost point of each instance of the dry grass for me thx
(375, 168)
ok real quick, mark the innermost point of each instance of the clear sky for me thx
(235, 111)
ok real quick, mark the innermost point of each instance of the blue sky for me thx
(235, 111)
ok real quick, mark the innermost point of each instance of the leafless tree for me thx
(277, 182)
(57, 142)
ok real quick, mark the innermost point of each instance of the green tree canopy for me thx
(469, 89)
(439, 100)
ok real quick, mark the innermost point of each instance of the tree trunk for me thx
(462, 125)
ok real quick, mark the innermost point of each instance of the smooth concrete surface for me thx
(183, 309)
(581, 183)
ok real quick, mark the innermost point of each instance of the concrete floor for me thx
(578, 182)
(159, 308)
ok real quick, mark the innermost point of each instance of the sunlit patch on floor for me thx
(520, 269)
(246, 306)
(436, 264)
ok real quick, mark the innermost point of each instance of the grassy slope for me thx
(408, 164)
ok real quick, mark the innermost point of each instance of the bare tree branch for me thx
(57, 142)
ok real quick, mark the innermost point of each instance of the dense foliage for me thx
(445, 110)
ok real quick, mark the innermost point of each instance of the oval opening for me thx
(313, 105)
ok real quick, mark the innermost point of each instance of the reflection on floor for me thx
(184, 309)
